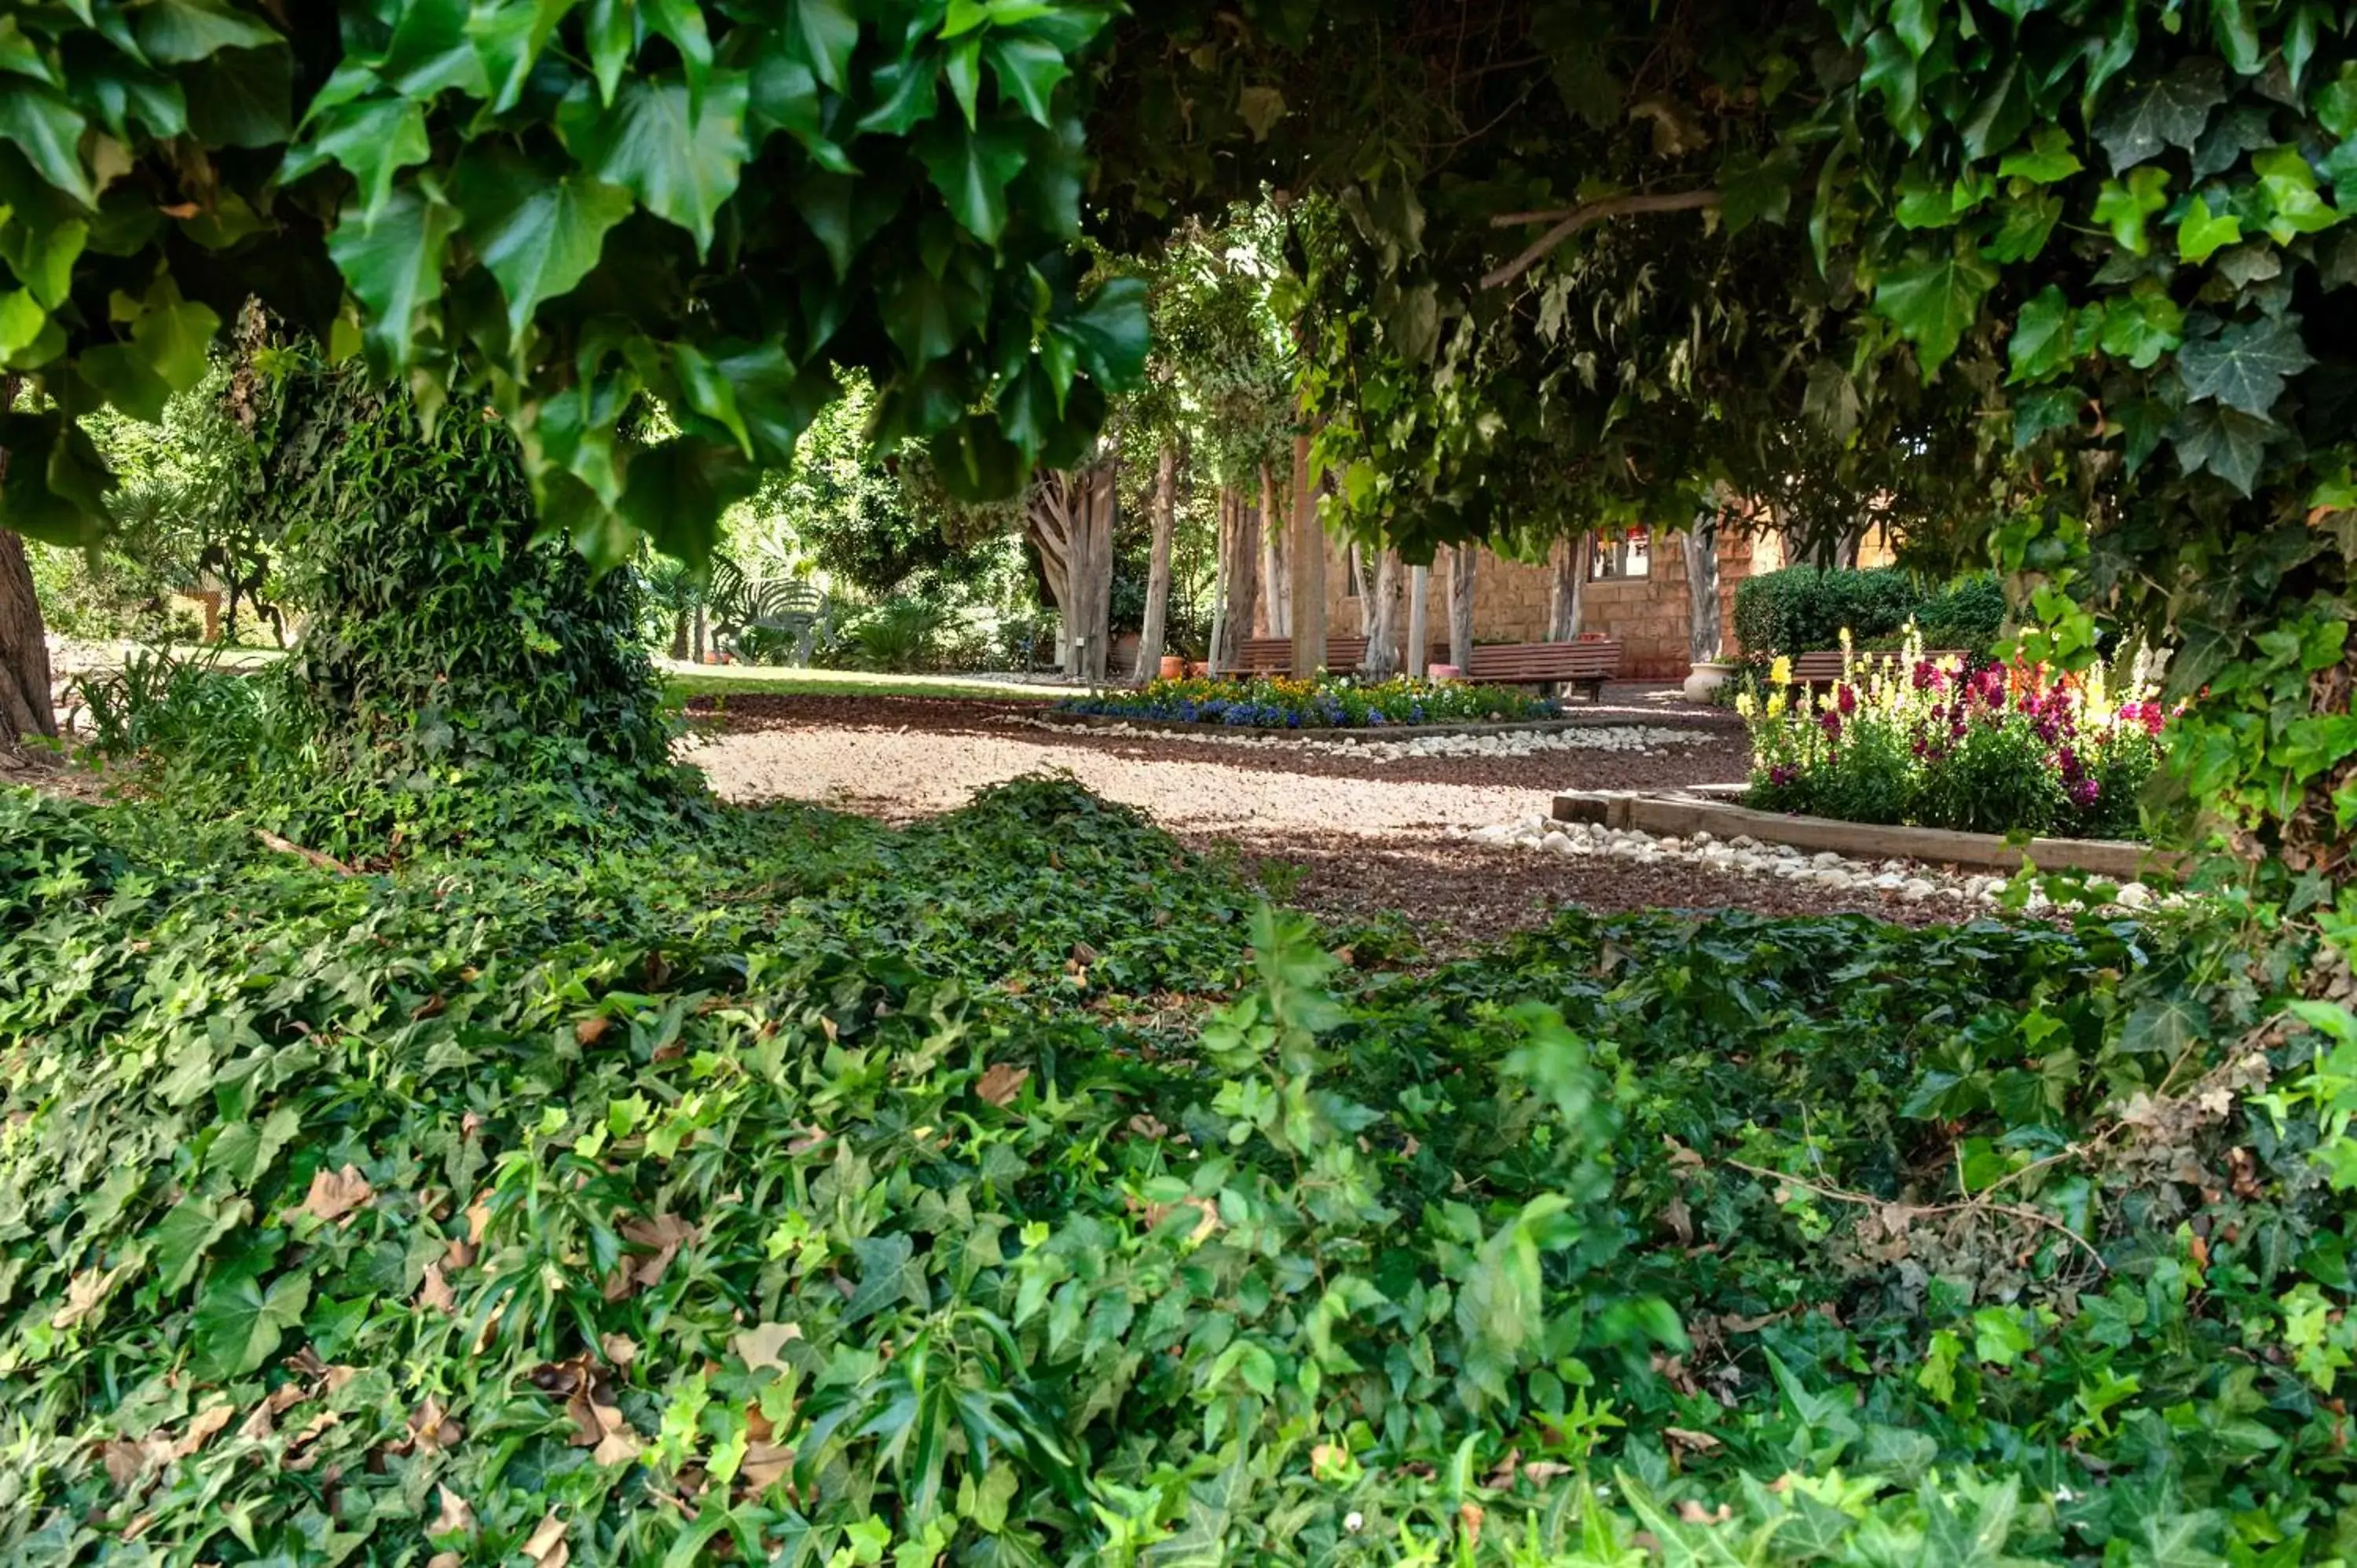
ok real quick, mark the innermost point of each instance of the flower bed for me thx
(1330, 703)
(1906, 739)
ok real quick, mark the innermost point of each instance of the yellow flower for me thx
(1776, 701)
(1743, 703)
(1780, 673)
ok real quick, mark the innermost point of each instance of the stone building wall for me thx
(1512, 600)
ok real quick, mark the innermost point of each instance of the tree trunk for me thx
(1309, 551)
(25, 708)
(1151, 637)
(1276, 581)
(1386, 602)
(679, 635)
(1242, 544)
(1419, 620)
(1567, 603)
(699, 633)
(1461, 565)
(1089, 628)
(1048, 525)
(1702, 588)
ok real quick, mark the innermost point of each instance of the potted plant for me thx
(1708, 675)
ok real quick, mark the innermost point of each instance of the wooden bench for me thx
(1587, 664)
(1823, 666)
(1274, 655)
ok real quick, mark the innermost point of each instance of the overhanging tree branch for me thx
(1570, 220)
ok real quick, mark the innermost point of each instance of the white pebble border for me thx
(1910, 882)
(1644, 740)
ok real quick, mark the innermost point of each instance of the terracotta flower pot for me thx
(1440, 672)
(1200, 669)
(1173, 668)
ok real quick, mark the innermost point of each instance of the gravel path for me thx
(1343, 836)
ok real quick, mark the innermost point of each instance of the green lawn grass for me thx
(728, 681)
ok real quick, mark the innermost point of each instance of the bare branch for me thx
(1571, 221)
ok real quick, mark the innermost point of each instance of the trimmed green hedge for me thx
(1804, 607)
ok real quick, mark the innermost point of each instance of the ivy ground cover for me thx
(1327, 702)
(1014, 1189)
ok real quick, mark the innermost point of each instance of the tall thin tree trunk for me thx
(1462, 566)
(1309, 551)
(1705, 642)
(699, 632)
(1419, 620)
(679, 635)
(1386, 600)
(1243, 546)
(25, 707)
(1276, 580)
(1151, 637)
(1093, 567)
(1573, 558)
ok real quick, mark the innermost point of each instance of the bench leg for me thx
(1595, 689)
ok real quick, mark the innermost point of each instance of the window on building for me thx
(1620, 555)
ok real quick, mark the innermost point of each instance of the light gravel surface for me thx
(899, 774)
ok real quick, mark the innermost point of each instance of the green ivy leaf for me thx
(972, 169)
(2335, 102)
(1261, 108)
(2245, 365)
(1028, 71)
(1109, 334)
(2199, 235)
(964, 71)
(539, 236)
(1753, 190)
(174, 335)
(675, 493)
(2238, 37)
(2288, 185)
(48, 131)
(2142, 326)
(827, 32)
(680, 160)
(431, 52)
(2053, 408)
(180, 1239)
(2003, 113)
(1934, 300)
(2229, 442)
(2024, 225)
(123, 92)
(1917, 23)
(177, 32)
(243, 98)
(613, 26)
(511, 40)
(237, 1325)
(2124, 206)
(2041, 343)
(2241, 128)
(2169, 113)
(2050, 158)
(393, 267)
(374, 139)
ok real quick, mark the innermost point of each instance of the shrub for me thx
(1904, 739)
(901, 636)
(1968, 614)
(1330, 703)
(1802, 608)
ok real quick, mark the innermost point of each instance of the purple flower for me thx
(1846, 697)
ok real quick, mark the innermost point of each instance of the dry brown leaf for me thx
(759, 1347)
(619, 1348)
(589, 1031)
(334, 1377)
(200, 1430)
(811, 1139)
(619, 1446)
(546, 1545)
(1000, 1083)
(663, 1235)
(1471, 1516)
(479, 1219)
(1698, 1441)
(456, 1515)
(435, 1295)
(1205, 1228)
(126, 1461)
(445, 1560)
(765, 1464)
(1693, 1512)
(262, 1420)
(457, 1254)
(431, 1428)
(335, 1194)
(1680, 1219)
(84, 1292)
(1544, 1470)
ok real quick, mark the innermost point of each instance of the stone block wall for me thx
(1512, 601)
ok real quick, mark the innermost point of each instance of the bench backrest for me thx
(1263, 654)
(1598, 660)
(1825, 663)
